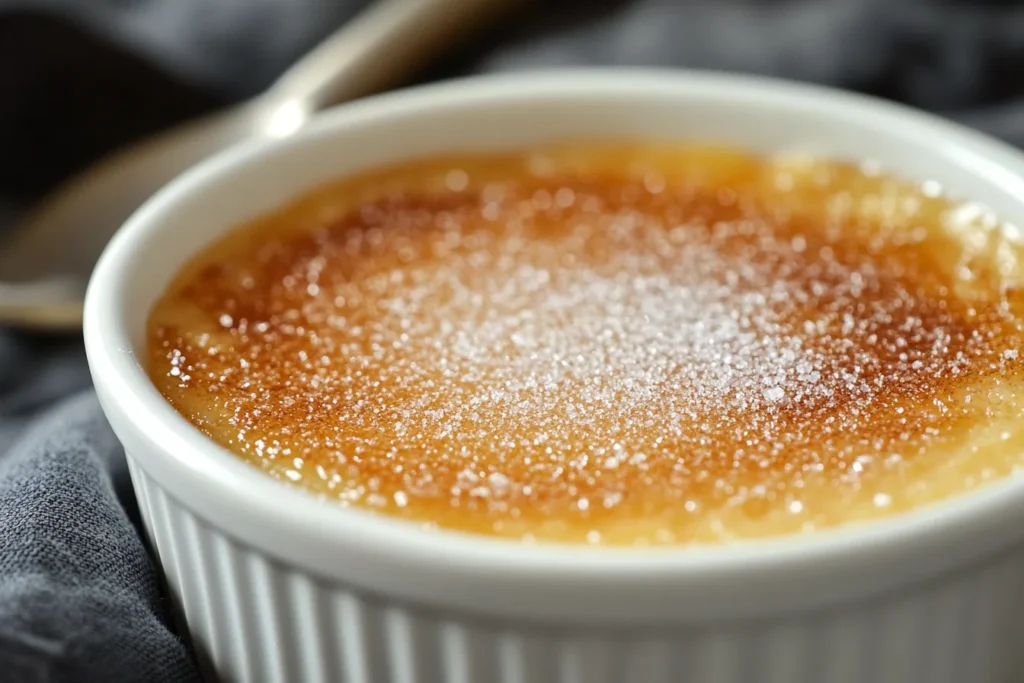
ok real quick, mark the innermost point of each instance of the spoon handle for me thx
(376, 49)
(41, 285)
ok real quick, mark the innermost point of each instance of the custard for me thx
(610, 343)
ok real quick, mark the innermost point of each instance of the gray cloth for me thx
(80, 599)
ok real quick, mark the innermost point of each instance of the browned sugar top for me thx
(609, 343)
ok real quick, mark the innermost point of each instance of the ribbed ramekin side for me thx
(255, 619)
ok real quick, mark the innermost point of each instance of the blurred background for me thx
(79, 78)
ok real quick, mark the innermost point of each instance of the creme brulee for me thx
(610, 343)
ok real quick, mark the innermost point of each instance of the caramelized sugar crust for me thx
(609, 343)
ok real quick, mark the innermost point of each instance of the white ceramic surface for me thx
(277, 586)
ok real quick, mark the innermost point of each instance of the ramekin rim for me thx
(120, 377)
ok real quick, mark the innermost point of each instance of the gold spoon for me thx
(46, 262)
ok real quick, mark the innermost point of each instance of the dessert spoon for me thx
(46, 259)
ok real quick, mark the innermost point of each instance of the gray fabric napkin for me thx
(80, 599)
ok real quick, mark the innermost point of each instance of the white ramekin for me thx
(277, 586)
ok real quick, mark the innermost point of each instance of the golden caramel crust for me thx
(618, 343)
